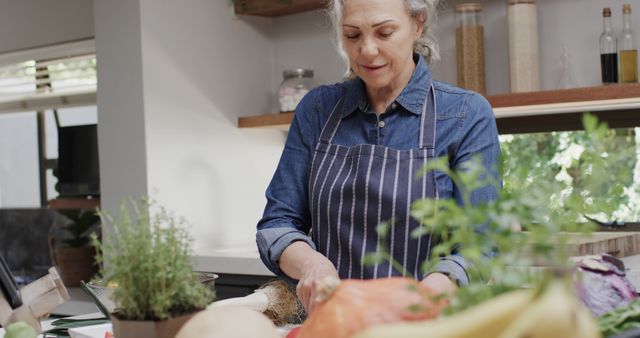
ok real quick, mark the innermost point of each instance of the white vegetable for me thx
(257, 301)
(228, 321)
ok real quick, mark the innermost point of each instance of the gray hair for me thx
(426, 45)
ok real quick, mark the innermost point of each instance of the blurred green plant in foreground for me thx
(487, 235)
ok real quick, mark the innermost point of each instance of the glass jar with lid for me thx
(295, 85)
(470, 47)
(524, 59)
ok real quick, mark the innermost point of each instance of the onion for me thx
(228, 321)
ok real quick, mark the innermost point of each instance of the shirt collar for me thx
(411, 98)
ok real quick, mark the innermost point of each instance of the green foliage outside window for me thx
(565, 158)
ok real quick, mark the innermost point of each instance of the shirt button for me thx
(394, 105)
(381, 124)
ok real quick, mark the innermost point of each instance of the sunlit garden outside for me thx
(529, 159)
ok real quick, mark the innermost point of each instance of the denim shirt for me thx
(465, 127)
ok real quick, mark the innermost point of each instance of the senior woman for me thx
(353, 150)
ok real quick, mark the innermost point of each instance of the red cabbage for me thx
(601, 283)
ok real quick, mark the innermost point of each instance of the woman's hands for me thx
(315, 269)
(439, 283)
(299, 261)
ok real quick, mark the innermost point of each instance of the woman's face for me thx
(378, 36)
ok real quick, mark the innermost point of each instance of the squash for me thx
(356, 305)
(228, 321)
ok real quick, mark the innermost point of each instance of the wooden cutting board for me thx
(619, 244)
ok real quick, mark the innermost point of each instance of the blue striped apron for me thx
(353, 189)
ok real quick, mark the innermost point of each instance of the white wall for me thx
(31, 23)
(172, 122)
(202, 69)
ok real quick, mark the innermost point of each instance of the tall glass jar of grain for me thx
(524, 59)
(470, 47)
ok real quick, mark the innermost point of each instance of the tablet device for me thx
(9, 286)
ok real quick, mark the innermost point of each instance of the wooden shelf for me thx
(594, 99)
(277, 120)
(273, 8)
(75, 203)
(612, 92)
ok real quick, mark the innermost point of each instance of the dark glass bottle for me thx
(608, 50)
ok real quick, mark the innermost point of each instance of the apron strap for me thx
(428, 123)
(330, 128)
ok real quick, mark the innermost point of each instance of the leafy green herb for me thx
(147, 255)
(415, 308)
(546, 210)
(412, 288)
(620, 320)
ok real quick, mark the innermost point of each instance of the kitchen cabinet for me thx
(239, 285)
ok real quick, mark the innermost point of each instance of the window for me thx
(555, 157)
(41, 90)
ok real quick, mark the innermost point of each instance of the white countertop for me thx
(246, 261)
(241, 260)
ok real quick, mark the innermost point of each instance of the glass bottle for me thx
(566, 80)
(524, 59)
(628, 51)
(296, 83)
(608, 50)
(470, 47)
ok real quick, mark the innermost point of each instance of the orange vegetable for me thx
(359, 304)
(293, 333)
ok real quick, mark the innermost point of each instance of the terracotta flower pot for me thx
(75, 264)
(149, 329)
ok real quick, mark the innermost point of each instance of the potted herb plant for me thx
(72, 251)
(146, 253)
